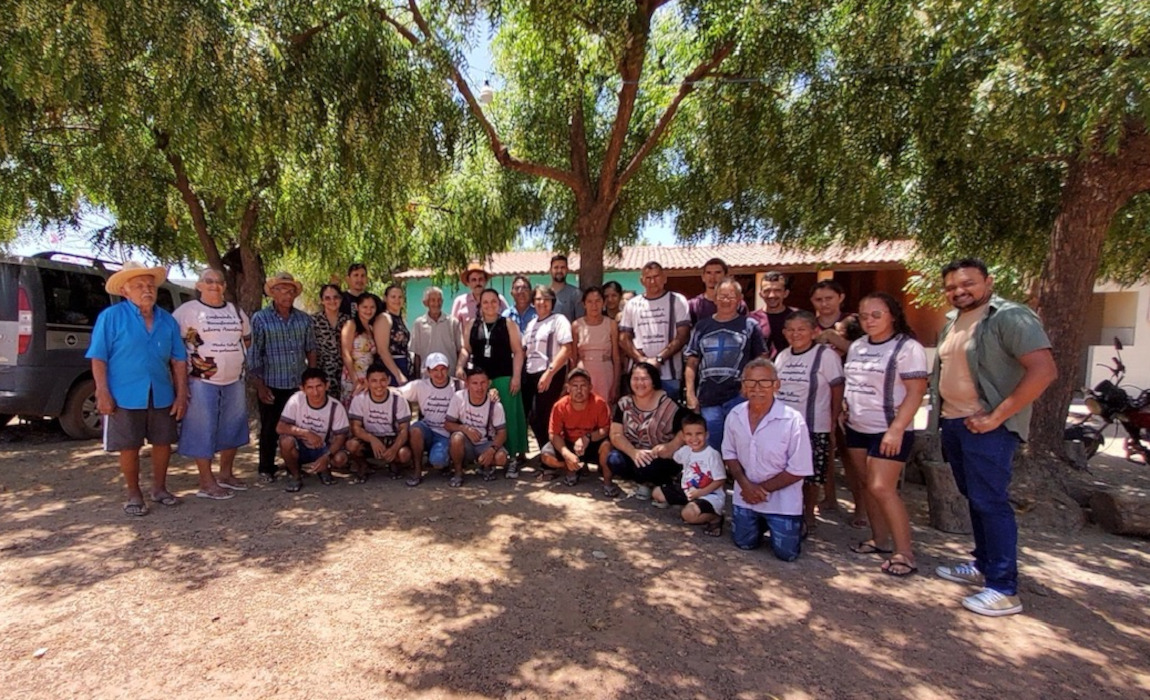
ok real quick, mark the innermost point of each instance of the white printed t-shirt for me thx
(433, 401)
(652, 323)
(700, 470)
(380, 418)
(213, 337)
(779, 443)
(875, 375)
(487, 417)
(330, 418)
(805, 382)
(543, 339)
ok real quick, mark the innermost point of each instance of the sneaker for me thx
(965, 572)
(660, 504)
(643, 492)
(512, 469)
(992, 603)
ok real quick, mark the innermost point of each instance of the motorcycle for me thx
(1110, 402)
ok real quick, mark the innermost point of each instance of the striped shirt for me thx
(280, 347)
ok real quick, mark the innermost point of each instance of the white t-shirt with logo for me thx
(652, 323)
(380, 418)
(805, 382)
(487, 417)
(433, 401)
(213, 337)
(542, 341)
(875, 375)
(700, 470)
(329, 418)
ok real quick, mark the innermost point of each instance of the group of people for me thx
(679, 397)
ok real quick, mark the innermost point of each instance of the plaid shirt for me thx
(279, 347)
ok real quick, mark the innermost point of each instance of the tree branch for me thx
(502, 155)
(685, 88)
(195, 207)
(630, 69)
(301, 38)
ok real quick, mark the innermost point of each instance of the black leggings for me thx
(269, 418)
(537, 405)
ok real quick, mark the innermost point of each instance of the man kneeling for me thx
(313, 429)
(578, 429)
(478, 428)
(379, 421)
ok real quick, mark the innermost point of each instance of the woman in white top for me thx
(548, 348)
(886, 376)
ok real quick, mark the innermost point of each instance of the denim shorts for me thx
(435, 444)
(216, 419)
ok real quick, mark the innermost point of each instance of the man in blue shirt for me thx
(283, 346)
(140, 369)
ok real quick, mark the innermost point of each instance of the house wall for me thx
(1123, 312)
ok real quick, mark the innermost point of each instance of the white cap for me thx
(436, 359)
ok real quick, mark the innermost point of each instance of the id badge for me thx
(487, 351)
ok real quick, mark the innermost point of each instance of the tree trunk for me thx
(593, 227)
(1097, 186)
(250, 275)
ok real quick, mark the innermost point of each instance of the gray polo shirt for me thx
(1008, 332)
(444, 335)
(569, 302)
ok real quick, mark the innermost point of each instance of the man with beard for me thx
(993, 361)
(568, 299)
(356, 288)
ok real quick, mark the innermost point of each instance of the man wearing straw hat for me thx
(466, 305)
(283, 346)
(139, 366)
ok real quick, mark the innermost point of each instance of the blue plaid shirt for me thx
(279, 349)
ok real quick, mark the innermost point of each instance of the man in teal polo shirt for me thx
(993, 361)
(139, 366)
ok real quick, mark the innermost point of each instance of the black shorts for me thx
(675, 495)
(871, 442)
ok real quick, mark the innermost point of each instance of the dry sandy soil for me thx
(515, 589)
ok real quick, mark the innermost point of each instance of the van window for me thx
(9, 289)
(73, 298)
(164, 299)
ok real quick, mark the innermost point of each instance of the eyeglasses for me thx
(759, 383)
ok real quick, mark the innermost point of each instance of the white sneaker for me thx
(962, 573)
(643, 492)
(992, 603)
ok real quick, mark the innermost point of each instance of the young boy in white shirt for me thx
(700, 487)
(811, 382)
(379, 421)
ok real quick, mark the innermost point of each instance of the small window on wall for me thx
(1119, 317)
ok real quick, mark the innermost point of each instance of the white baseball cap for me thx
(436, 359)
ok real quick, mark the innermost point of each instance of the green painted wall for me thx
(414, 288)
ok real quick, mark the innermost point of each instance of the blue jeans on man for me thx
(748, 526)
(716, 416)
(983, 464)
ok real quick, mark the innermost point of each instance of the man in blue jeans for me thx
(767, 449)
(993, 361)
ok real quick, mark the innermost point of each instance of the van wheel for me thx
(80, 419)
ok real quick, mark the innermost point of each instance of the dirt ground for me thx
(516, 589)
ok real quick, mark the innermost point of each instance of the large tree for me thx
(220, 132)
(590, 95)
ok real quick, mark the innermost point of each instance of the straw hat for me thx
(132, 269)
(473, 267)
(282, 278)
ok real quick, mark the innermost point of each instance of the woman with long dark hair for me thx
(327, 323)
(357, 343)
(886, 376)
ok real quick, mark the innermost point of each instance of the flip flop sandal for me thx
(456, 482)
(325, 478)
(238, 486)
(294, 486)
(215, 497)
(905, 569)
(414, 481)
(357, 479)
(571, 479)
(869, 547)
(715, 529)
(135, 510)
(166, 499)
(266, 478)
(488, 474)
(611, 491)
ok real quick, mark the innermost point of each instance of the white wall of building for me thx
(1123, 312)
